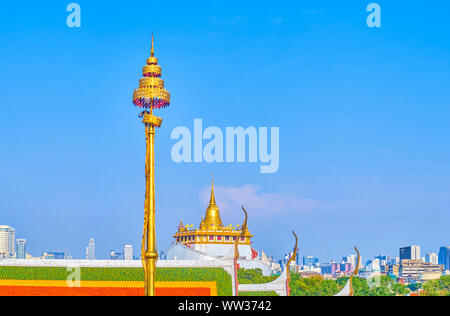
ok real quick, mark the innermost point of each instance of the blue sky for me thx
(363, 116)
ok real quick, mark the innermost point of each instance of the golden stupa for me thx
(212, 218)
(211, 229)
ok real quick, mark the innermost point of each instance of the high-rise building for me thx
(393, 269)
(128, 252)
(374, 265)
(21, 252)
(444, 257)
(332, 268)
(54, 255)
(163, 255)
(7, 242)
(57, 255)
(431, 258)
(346, 268)
(90, 250)
(351, 260)
(383, 260)
(410, 253)
(395, 261)
(419, 270)
(310, 261)
(288, 256)
(115, 255)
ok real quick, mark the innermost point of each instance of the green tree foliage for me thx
(318, 286)
(439, 287)
(378, 286)
(314, 286)
(253, 276)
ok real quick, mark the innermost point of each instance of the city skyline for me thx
(418, 253)
(409, 266)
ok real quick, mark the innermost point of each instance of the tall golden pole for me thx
(150, 95)
(151, 255)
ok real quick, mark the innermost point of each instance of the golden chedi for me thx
(212, 239)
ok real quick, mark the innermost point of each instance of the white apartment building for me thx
(128, 252)
(352, 259)
(90, 250)
(7, 242)
(374, 265)
(432, 258)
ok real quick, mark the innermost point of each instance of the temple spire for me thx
(152, 51)
(212, 218)
(212, 200)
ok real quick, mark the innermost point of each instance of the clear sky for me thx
(363, 115)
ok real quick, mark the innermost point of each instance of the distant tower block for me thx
(90, 250)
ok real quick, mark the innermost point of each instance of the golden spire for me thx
(212, 218)
(212, 200)
(202, 223)
(152, 52)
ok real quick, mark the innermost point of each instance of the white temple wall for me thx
(182, 252)
(218, 250)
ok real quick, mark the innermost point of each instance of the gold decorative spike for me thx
(289, 264)
(352, 292)
(241, 235)
(236, 251)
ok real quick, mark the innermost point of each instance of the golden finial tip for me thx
(212, 201)
(152, 52)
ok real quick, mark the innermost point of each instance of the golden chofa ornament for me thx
(150, 94)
